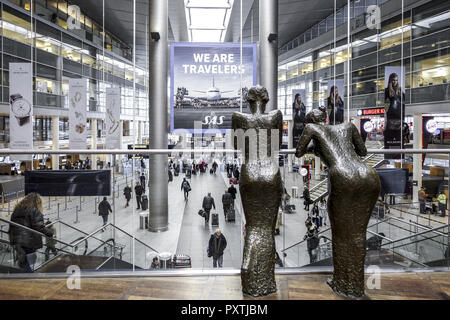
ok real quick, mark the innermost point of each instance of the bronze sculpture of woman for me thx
(260, 186)
(354, 191)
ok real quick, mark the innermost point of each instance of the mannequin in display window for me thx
(299, 114)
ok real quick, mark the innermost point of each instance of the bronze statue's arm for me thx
(358, 142)
(277, 122)
(303, 142)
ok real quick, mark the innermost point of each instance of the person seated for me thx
(155, 263)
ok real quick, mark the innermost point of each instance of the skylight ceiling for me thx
(207, 20)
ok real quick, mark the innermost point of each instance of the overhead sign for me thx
(206, 84)
(113, 99)
(21, 108)
(77, 113)
(371, 112)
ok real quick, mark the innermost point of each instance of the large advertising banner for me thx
(21, 108)
(335, 101)
(299, 111)
(394, 102)
(205, 84)
(77, 114)
(113, 99)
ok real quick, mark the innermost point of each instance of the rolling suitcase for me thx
(176, 173)
(231, 215)
(181, 261)
(144, 202)
(233, 181)
(211, 171)
(215, 219)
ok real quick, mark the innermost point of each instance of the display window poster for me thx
(21, 108)
(394, 103)
(337, 86)
(77, 114)
(113, 103)
(302, 93)
(205, 86)
(335, 98)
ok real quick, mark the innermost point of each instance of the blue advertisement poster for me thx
(205, 86)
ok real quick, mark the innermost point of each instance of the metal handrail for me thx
(33, 231)
(417, 234)
(92, 233)
(198, 151)
(146, 245)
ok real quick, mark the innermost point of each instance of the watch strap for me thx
(14, 97)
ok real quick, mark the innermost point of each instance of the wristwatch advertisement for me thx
(20, 108)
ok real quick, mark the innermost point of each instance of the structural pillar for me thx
(93, 143)
(268, 50)
(291, 157)
(417, 158)
(121, 147)
(316, 168)
(55, 142)
(139, 134)
(158, 64)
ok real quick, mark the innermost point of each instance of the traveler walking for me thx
(232, 190)
(186, 187)
(315, 215)
(422, 196)
(216, 246)
(138, 190)
(214, 167)
(208, 204)
(127, 194)
(28, 213)
(50, 242)
(442, 199)
(227, 202)
(104, 208)
(323, 211)
(142, 179)
(307, 198)
(236, 173)
(312, 242)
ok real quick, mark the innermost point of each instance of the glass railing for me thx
(126, 244)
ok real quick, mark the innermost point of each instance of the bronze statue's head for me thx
(316, 116)
(257, 97)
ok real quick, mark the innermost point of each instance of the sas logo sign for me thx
(213, 120)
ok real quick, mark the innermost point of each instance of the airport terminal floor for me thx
(224, 150)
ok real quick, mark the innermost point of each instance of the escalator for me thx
(107, 248)
(414, 246)
(374, 160)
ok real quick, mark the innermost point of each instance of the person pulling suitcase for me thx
(208, 204)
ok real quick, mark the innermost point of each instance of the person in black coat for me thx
(232, 190)
(299, 112)
(307, 198)
(104, 208)
(28, 213)
(236, 173)
(169, 172)
(216, 247)
(335, 107)
(208, 204)
(127, 194)
(142, 179)
(227, 202)
(138, 190)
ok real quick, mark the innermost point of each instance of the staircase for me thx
(373, 160)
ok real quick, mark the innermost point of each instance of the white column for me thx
(121, 147)
(417, 158)
(139, 134)
(317, 167)
(55, 142)
(291, 157)
(93, 142)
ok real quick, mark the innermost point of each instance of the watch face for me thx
(21, 108)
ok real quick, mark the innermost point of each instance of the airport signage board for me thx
(113, 128)
(77, 113)
(205, 84)
(21, 108)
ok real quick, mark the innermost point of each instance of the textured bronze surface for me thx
(354, 190)
(260, 186)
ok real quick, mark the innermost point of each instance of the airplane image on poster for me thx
(212, 97)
